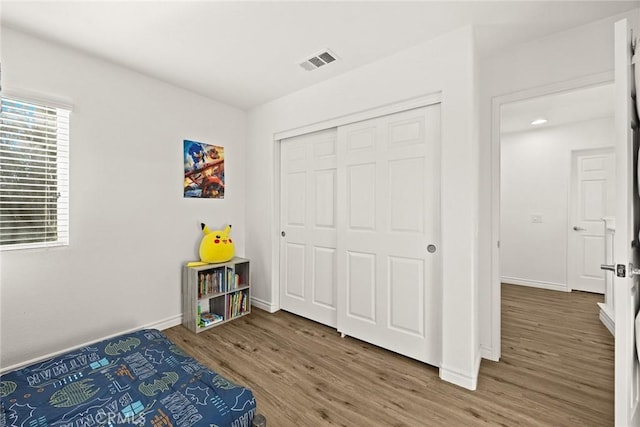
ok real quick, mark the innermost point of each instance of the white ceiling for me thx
(246, 53)
(558, 109)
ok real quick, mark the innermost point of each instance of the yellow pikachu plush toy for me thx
(216, 246)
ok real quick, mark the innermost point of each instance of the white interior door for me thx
(625, 284)
(592, 199)
(389, 291)
(308, 219)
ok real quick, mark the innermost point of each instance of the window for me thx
(34, 175)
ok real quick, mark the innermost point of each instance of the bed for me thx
(140, 378)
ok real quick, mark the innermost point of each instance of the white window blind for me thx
(34, 175)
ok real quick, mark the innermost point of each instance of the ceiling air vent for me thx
(318, 60)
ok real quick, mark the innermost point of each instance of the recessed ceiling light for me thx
(540, 121)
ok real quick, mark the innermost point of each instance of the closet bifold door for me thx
(308, 226)
(388, 241)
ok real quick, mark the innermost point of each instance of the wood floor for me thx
(556, 370)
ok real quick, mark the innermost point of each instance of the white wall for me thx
(445, 64)
(536, 179)
(131, 229)
(115, 213)
(583, 51)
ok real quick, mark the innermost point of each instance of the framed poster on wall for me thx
(203, 170)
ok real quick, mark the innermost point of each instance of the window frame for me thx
(62, 165)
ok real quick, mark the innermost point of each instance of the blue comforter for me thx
(139, 379)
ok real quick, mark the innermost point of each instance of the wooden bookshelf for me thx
(214, 294)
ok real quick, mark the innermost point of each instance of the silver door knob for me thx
(576, 228)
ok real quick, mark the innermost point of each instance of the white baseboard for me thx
(487, 353)
(169, 322)
(263, 305)
(470, 382)
(535, 284)
(607, 319)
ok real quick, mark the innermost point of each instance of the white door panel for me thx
(361, 286)
(296, 198)
(324, 278)
(388, 213)
(406, 188)
(294, 280)
(625, 286)
(406, 296)
(592, 199)
(325, 190)
(361, 202)
(308, 218)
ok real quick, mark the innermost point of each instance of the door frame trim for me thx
(357, 116)
(493, 351)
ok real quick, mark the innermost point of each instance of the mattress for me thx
(141, 378)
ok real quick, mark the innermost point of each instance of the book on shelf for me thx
(210, 282)
(230, 283)
(237, 304)
(207, 319)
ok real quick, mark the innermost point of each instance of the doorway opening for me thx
(556, 202)
(537, 135)
(556, 188)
